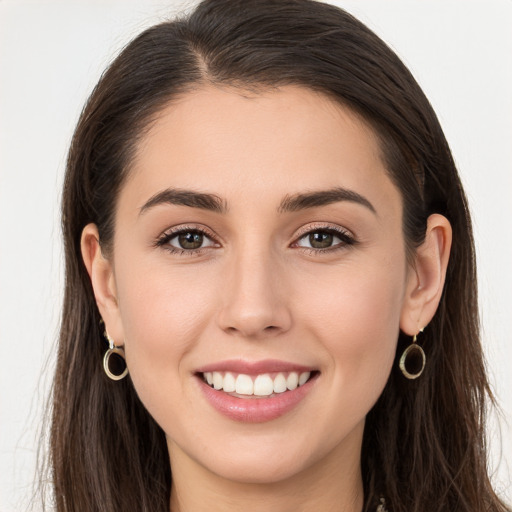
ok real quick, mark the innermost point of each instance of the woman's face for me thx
(258, 241)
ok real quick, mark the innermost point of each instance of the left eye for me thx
(190, 240)
(322, 239)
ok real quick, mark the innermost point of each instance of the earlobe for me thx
(427, 276)
(101, 274)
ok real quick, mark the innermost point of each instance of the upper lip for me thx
(254, 367)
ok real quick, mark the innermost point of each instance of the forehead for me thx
(236, 143)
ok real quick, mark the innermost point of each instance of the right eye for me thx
(186, 240)
(190, 240)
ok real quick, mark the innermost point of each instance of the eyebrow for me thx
(323, 198)
(189, 198)
(291, 203)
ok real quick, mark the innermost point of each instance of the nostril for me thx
(250, 332)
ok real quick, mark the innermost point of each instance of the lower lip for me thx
(255, 410)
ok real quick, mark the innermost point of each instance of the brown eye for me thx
(325, 239)
(190, 240)
(186, 240)
(321, 239)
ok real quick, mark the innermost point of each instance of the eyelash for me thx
(345, 237)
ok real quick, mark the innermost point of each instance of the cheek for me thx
(356, 314)
(163, 315)
(157, 314)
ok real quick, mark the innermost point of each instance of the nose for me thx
(255, 300)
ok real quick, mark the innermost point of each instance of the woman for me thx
(263, 218)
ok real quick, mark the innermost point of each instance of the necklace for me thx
(382, 506)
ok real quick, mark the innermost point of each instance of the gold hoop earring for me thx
(114, 362)
(412, 362)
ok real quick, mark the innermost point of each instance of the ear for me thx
(101, 273)
(426, 276)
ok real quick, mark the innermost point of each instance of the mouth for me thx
(256, 392)
(262, 385)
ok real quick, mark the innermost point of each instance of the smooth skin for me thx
(251, 278)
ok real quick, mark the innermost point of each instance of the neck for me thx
(333, 484)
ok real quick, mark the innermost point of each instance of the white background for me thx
(51, 55)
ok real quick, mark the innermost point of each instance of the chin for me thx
(259, 470)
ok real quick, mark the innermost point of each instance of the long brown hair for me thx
(424, 444)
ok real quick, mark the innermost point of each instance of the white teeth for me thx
(244, 385)
(229, 383)
(304, 378)
(280, 383)
(262, 385)
(292, 381)
(218, 381)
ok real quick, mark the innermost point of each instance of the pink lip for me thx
(254, 367)
(255, 410)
